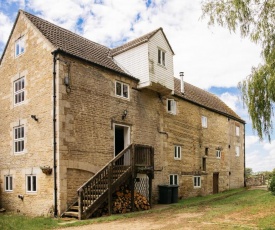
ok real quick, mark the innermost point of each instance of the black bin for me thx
(165, 194)
(175, 193)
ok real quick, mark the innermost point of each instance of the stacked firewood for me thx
(122, 202)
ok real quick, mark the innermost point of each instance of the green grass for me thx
(243, 208)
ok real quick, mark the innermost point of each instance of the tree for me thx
(248, 172)
(254, 19)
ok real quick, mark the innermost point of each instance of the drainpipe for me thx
(54, 132)
(244, 155)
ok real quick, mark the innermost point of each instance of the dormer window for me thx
(19, 46)
(161, 57)
(122, 90)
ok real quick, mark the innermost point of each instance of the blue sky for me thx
(211, 58)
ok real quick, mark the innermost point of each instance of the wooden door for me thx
(215, 183)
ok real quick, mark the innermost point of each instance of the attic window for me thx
(161, 57)
(19, 46)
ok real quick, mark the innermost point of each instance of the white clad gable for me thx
(142, 61)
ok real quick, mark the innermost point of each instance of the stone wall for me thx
(35, 64)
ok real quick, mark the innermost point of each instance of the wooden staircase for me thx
(101, 186)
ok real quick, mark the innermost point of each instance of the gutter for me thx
(54, 53)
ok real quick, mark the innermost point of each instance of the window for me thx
(171, 106)
(204, 164)
(122, 90)
(206, 152)
(177, 152)
(161, 57)
(204, 121)
(237, 131)
(19, 136)
(8, 183)
(19, 46)
(237, 151)
(173, 179)
(19, 91)
(31, 183)
(197, 181)
(218, 153)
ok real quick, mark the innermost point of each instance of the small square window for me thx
(122, 90)
(19, 46)
(173, 179)
(204, 121)
(218, 153)
(161, 57)
(8, 183)
(197, 181)
(19, 139)
(31, 183)
(19, 91)
(237, 151)
(171, 106)
(177, 152)
(237, 131)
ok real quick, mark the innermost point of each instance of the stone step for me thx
(71, 214)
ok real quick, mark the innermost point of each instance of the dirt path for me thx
(173, 219)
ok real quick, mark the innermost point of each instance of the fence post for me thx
(80, 204)
(109, 188)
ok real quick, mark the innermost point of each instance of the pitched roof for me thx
(83, 48)
(137, 42)
(204, 99)
(74, 44)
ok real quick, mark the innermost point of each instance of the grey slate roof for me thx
(204, 98)
(74, 44)
(137, 42)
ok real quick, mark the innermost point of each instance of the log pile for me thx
(122, 202)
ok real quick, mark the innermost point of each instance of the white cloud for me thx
(230, 99)
(251, 140)
(5, 25)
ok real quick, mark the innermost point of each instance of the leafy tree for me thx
(254, 19)
(248, 172)
(272, 185)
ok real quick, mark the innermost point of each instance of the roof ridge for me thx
(132, 43)
(62, 28)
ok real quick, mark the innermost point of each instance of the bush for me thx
(272, 185)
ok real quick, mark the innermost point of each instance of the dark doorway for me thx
(119, 139)
(215, 183)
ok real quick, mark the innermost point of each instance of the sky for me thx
(211, 58)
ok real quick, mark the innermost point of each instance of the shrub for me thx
(272, 185)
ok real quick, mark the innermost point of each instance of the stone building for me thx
(68, 106)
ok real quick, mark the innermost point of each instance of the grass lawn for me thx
(234, 209)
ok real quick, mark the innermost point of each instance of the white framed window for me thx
(237, 131)
(171, 106)
(19, 46)
(218, 153)
(197, 181)
(8, 183)
(161, 57)
(174, 179)
(204, 121)
(19, 91)
(31, 183)
(177, 152)
(237, 149)
(122, 89)
(19, 139)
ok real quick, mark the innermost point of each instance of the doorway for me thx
(122, 140)
(215, 183)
